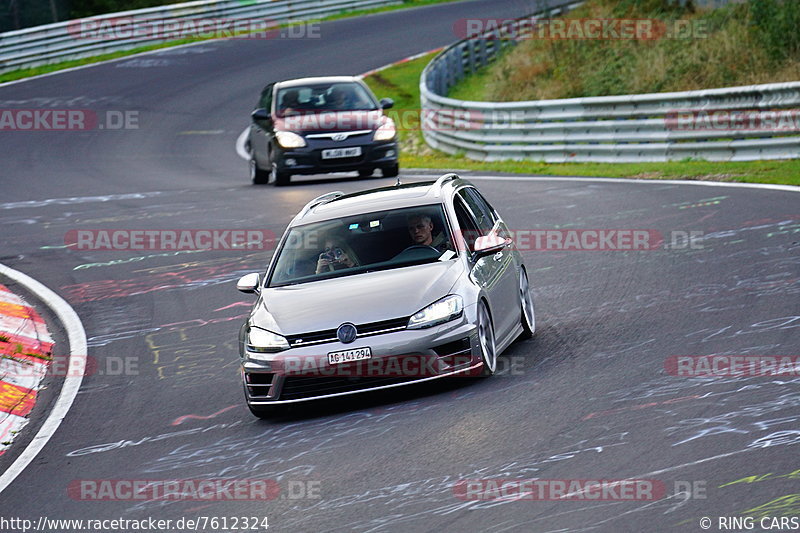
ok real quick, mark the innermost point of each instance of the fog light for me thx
(290, 162)
(389, 153)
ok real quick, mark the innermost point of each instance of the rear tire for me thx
(391, 171)
(259, 177)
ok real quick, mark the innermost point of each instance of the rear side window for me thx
(469, 230)
(480, 208)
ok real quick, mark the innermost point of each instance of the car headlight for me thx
(263, 341)
(386, 132)
(438, 312)
(287, 139)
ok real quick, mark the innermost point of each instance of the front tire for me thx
(391, 171)
(280, 178)
(486, 341)
(259, 177)
(528, 315)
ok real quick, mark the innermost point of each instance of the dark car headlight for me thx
(439, 312)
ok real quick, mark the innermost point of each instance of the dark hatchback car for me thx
(321, 125)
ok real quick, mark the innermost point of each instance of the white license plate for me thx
(346, 356)
(336, 153)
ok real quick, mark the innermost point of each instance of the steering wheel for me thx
(420, 246)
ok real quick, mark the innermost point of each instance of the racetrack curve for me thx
(587, 398)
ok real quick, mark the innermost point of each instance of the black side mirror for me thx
(387, 103)
(260, 114)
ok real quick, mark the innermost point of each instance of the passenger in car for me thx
(336, 255)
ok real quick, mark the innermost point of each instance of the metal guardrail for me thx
(728, 124)
(64, 41)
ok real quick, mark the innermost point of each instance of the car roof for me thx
(312, 81)
(333, 205)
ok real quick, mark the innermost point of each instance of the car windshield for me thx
(321, 97)
(363, 243)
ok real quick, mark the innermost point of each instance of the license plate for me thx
(346, 356)
(336, 153)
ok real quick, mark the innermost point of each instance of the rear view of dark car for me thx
(321, 125)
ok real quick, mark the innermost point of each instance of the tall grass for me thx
(741, 44)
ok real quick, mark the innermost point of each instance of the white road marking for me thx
(240, 142)
(77, 361)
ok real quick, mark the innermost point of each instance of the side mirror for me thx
(490, 244)
(260, 114)
(387, 103)
(249, 283)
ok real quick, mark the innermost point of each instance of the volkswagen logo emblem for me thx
(346, 333)
(339, 136)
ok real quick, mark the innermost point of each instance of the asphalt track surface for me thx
(587, 398)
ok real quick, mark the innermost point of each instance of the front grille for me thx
(364, 330)
(295, 388)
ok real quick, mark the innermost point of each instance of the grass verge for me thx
(401, 83)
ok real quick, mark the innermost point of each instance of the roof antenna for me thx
(397, 183)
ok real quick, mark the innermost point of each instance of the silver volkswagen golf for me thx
(383, 288)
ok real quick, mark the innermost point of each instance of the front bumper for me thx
(308, 160)
(399, 358)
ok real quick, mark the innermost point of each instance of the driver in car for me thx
(420, 227)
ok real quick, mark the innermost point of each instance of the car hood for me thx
(330, 121)
(360, 298)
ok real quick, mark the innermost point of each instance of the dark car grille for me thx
(364, 330)
(295, 388)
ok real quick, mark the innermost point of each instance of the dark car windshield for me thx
(321, 97)
(363, 243)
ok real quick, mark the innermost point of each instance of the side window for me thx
(266, 98)
(484, 215)
(469, 230)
